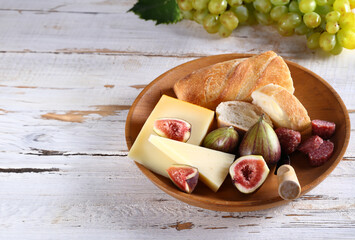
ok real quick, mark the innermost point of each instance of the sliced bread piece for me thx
(240, 115)
(284, 109)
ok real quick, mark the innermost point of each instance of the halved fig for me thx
(173, 128)
(249, 173)
(185, 177)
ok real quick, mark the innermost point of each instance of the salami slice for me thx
(322, 128)
(322, 154)
(310, 144)
(289, 139)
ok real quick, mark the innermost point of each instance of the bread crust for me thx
(296, 113)
(204, 86)
(233, 80)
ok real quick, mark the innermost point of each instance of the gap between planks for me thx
(43, 152)
(105, 51)
(28, 170)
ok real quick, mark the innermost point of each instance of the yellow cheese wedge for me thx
(147, 154)
(212, 165)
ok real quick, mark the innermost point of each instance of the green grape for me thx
(217, 6)
(323, 23)
(312, 19)
(302, 29)
(323, 10)
(224, 32)
(347, 20)
(200, 4)
(199, 15)
(330, 2)
(229, 20)
(235, 3)
(313, 40)
(279, 2)
(263, 18)
(321, 2)
(263, 6)
(341, 6)
(188, 14)
(332, 16)
(211, 23)
(327, 41)
(337, 49)
(307, 5)
(251, 18)
(185, 5)
(293, 7)
(332, 27)
(289, 21)
(277, 12)
(241, 12)
(346, 38)
(285, 32)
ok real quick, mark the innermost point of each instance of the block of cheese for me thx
(212, 165)
(146, 153)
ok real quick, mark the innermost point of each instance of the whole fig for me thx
(223, 139)
(261, 139)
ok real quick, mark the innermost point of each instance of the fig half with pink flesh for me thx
(173, 128)
(248, 173)
(185, 177)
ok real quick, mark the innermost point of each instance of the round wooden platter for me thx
(318, 97)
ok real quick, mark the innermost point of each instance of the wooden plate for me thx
(319, 98)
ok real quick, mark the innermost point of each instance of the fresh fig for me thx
(173, 128)
(185, 177)
(248, 173)
(223, 139)
(262, 140)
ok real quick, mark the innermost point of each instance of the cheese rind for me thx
(212, 165)
(145, 153)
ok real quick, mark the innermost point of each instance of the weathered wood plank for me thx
(76, 104)
(79, 6)
(69, 72)
(114, 80)
(110, 196)
(38, 31)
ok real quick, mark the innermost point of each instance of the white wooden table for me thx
(69, 71)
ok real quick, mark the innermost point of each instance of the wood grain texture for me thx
(66, 179)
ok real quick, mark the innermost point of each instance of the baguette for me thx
(240, 115)
(284, 109)
(233, 80)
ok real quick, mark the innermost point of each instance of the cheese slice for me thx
(212, 165)
(146, 153)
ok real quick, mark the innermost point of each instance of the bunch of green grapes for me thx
(327, 24)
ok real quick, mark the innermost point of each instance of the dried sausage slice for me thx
(319, 156)
(310, 144)
(289, 139)
(322, 128)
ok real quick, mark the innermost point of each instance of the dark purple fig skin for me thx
(261, 139)
(223, 139)
(191, 180)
